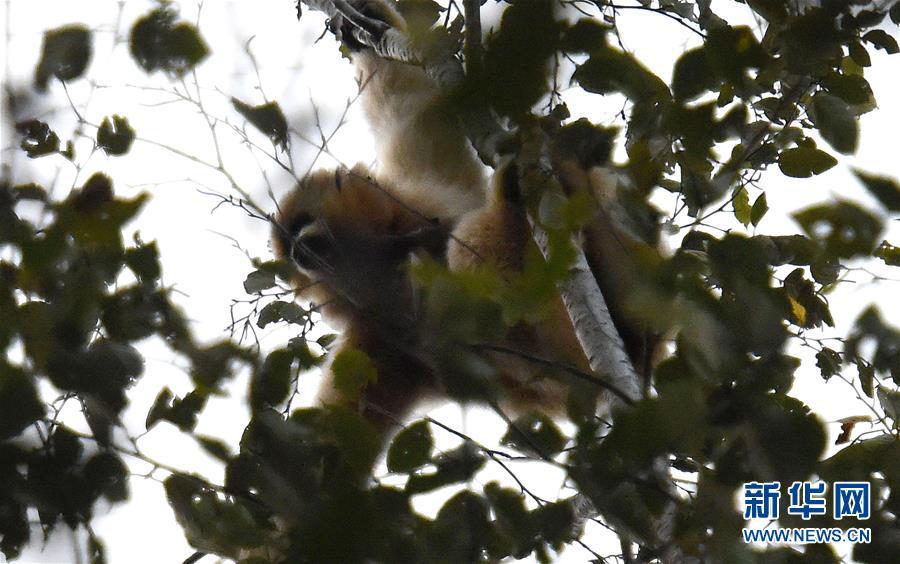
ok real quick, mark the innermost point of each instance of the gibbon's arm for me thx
(422, 150)
(499, 234)
(351, 243)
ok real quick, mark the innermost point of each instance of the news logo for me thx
(806, 500)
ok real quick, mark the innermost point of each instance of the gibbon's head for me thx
(350, 242)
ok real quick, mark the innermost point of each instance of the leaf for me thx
(888, 253)
(271, 383)
(277, 311)
(882, 40)
(215, 447)
(353, 371)
(836, 122)
(259, 280)
(267, 118)
(159, 42)
(692, 75)
(20, 405)
(759, 209)
(107, 475)
(39, 140)
(803, 162)
(454, 467)
(886, 189)
(411, 448)
(115, 137)
(846, 228)
(890, 402)
(535, 433)
(829, 362)
(741, 203)
(65, 54)
(517, 57)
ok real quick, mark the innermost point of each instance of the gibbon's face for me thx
(350, 244)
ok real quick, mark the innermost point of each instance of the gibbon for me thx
(352, 234)
(350, 241)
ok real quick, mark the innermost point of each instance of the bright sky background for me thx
(198, 239)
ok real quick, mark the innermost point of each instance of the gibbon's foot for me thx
(378, 10)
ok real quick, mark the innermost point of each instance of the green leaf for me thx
(411, 448)
(271, 383)
(513, 518)
(115, 137)
(836, 122)
(692, 75)
(277, 311)
(259, 280)
(741, 203)
(890, 403)
(65, 54)
(881, 40)
(517, 57)
(759, 209)
(353, 371)
(38, 139)
(215, 447)
(609, 71)
(535, 433)
(454, 467)
(267, 118)
(846, 228)
(462, 528)
(159, 41)
(803, 162)
(886, 189)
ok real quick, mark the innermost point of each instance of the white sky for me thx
(312, 83)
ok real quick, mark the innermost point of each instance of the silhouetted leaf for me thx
(888, 253)
(277, 311)
(535, 433)
(453, 467)
(845, 227)
(411, 448)
(115, 137)
(65, 54)
(692, 75)
(259, 280)
(39, 140)
(267, 118)
(882, 40)
(803, 162)
(19, 402)
(271, 383)
(835, 121)
(886, 189)
(160, 42)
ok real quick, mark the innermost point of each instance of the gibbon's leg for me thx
(422, 150)
(498, 235)
(351, 243)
